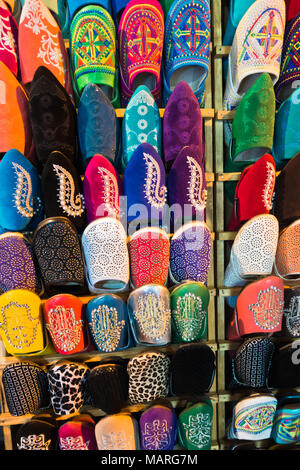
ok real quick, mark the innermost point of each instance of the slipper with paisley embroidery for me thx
(39, 29)
(20, 192)
(141, 35)
(65, 198)
(53, 117)
(187, 47)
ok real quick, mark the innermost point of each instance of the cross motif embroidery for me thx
(144, 40)
(193, 31)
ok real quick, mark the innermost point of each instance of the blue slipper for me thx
(141, 123)
(187, 47)
(20, 192)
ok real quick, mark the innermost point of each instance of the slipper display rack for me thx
(8, 423)
(224, 239)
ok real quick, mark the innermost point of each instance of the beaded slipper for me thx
(108, 323)
(291, 313)
(150, 315)
(102, 189)
(20, 193)
(158, 428)
(187, 47)
(65, 198)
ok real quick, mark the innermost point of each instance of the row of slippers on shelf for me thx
(110, 384)
(159, 427)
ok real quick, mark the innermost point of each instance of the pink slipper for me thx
(141, 35)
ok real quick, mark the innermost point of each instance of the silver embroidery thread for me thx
(72, 205)
(155, 193)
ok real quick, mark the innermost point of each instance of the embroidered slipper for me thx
(149, 252)
(182, 123)
(21, 325)
(253, 250)
(57, 250)
(187, 47)
(141, 123)
(291, 313)
(192, 370)
(38, 28)
(101, 189)
(287, 261)
(254, 192)
(286, 422)
(259, 309)
(141, 36)
(190, 253)
(36, 434)
(292, 9)
(18, 266)
(145, 187)
(189, 312)
(105, 256)
(53, 117)
(290, 61)
(9, 39)
(20, 192)
(148, 377)
(286, 137)
(93, 49)
(252, 137)
(77, 435)
(117, 432)
(68, 386)
(65, 198)
(158, 428)
(96, 121)
(108, 385)
(285, 369)
(108, 323)
(15, 126)
(150, 315)
(65, 321)
(187, 186)
(195, 426)
(252, 361)
(25, 385)
(256, 49)
(287, 193)
(253, 417)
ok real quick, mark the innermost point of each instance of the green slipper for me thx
(195, 426)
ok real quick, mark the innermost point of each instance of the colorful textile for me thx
(77, 435)
(8, 39)
(158, 428)
(187, 46)
(287, 193)
(93, 47)
(117, 432)
(141, 35)
(195, 426)
(287, 262)
(290, 61)
(141, 123)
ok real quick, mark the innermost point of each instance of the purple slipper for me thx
(187, 185)
(182, 122)
(190, 253)
(158, 428)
